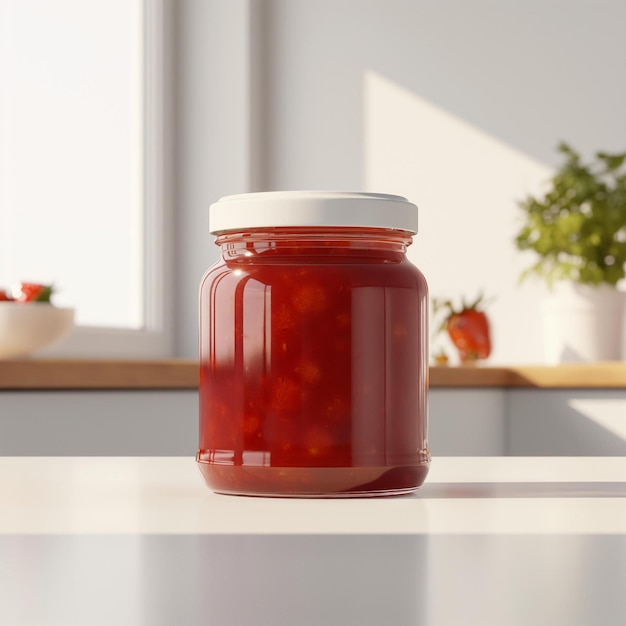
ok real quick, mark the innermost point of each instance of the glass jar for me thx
(313, 347)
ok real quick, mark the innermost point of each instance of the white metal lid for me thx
(312, 208)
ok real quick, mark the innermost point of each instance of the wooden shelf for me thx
(98, 374)
(183, 374)
(610, 375)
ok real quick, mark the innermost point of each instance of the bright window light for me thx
(71, 182)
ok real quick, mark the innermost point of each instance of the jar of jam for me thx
(313, 347)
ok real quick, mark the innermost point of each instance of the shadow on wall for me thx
(519, 75)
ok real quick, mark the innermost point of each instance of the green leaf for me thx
(573, 226)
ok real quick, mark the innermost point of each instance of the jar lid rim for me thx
(312, 208)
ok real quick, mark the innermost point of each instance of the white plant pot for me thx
(582, 323)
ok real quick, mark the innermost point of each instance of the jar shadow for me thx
(522, 490)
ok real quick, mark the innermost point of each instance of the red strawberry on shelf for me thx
(32, 292)
(468, 328)
(4, 296)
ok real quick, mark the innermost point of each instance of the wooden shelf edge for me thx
(60, 374)
(609, 375)
(98, 374)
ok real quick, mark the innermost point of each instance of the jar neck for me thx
(340, 243)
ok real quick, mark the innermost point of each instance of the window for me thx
(83, 185)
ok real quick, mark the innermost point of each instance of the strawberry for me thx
(469, 331)
(32, 292)
(4, 296)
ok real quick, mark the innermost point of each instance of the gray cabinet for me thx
(463, 422)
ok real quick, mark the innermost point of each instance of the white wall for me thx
(456, 105)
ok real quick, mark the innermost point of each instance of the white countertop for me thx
(485, 495)
(502, 541)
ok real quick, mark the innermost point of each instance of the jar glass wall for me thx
(314, 363)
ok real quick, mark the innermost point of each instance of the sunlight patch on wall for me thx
(466, 183)
(416, 146)
(607, 413)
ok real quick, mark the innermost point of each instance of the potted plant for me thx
(577, 228)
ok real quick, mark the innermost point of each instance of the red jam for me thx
(313, 376)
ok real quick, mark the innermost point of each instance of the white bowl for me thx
(31, 326)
